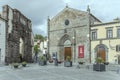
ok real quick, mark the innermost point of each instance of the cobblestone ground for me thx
(51, 72)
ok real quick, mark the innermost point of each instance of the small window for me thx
(118, 32)
(66, 22)
(109, 33)
(117, 48)
(94, 35)
(0, 29)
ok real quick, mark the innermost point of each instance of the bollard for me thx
(118, 70)
(56, 62)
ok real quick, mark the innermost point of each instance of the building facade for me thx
(18, 36)
(83, 37)
(68, 33)
(105, 41)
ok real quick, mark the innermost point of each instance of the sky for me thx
(39, 10)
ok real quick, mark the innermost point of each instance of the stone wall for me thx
(18, 27)
(78, 28)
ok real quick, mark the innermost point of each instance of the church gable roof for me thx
(68, 10)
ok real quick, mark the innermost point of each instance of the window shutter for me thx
(119, 48)
(116, 48)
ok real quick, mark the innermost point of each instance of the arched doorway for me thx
(21, 49)
(67, 49)
(101, 50)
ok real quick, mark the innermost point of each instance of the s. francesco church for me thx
(83, 37)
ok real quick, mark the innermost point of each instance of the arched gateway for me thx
(65, 48)
(18, 36)
(101, 50)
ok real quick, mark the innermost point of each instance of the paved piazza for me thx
(51, 72)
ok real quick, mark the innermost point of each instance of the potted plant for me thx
(81, 62)
(16, 65)
(50, 60)
(42, 60)
(24, 63)
(106, 63)
(68, 62)
(59, 61)
(99, 66)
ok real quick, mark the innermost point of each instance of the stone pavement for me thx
(51, 72)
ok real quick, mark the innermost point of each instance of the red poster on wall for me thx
(81, 51)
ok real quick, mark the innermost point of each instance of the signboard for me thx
(81, 51)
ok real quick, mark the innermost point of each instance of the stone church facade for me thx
(68, 31)
(18, 36)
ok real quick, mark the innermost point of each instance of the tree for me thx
(39, 37)
(36, 50)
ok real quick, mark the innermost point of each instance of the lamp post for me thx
(74, 47)
(48, 55)
(89, 47)
(74, 43)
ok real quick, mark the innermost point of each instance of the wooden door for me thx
(67, 52)
(101, 53)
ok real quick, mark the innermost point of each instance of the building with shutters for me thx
(105, 41)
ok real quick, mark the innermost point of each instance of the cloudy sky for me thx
(39, 10)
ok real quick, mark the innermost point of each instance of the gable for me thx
(68, 12)
(72, 15)
(94, 19)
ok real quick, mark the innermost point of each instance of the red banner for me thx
(81, 51)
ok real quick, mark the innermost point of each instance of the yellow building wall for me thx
(93, 45)
(110, 43)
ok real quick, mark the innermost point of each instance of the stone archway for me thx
(65, 47)
(101, 50)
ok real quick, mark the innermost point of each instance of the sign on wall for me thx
(81, 51)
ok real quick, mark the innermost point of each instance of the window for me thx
(94, 35)
(117, 48)
(118, 32)
(66, 22)
(109, 33)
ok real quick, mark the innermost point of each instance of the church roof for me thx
(76, 12)
(71, 10)
(106, 23)
(95, 17)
